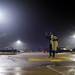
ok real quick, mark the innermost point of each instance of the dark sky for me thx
(37, 17)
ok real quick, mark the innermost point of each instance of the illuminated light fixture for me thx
(18, 42)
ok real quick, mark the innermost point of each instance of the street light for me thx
(19, 45)
(18, 42)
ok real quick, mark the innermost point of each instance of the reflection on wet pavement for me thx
(63, 68)
(19, 65)
(20, 71)
(10, 65)
(10, 71)
(71, 72)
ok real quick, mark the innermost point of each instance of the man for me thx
(53, 44)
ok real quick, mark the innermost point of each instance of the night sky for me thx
(35, 17)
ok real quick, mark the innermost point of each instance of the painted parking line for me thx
(48, 66)
(48, 59)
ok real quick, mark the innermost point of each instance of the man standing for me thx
(53, 44)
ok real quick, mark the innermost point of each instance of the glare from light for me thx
(72, 59)
(8, 16)
(64, 49)
(18, 73)
(20, 45)
(73, 55)
(18, 69)
(2, 70)
(4, 16)
(18, 42)
(74, 36)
